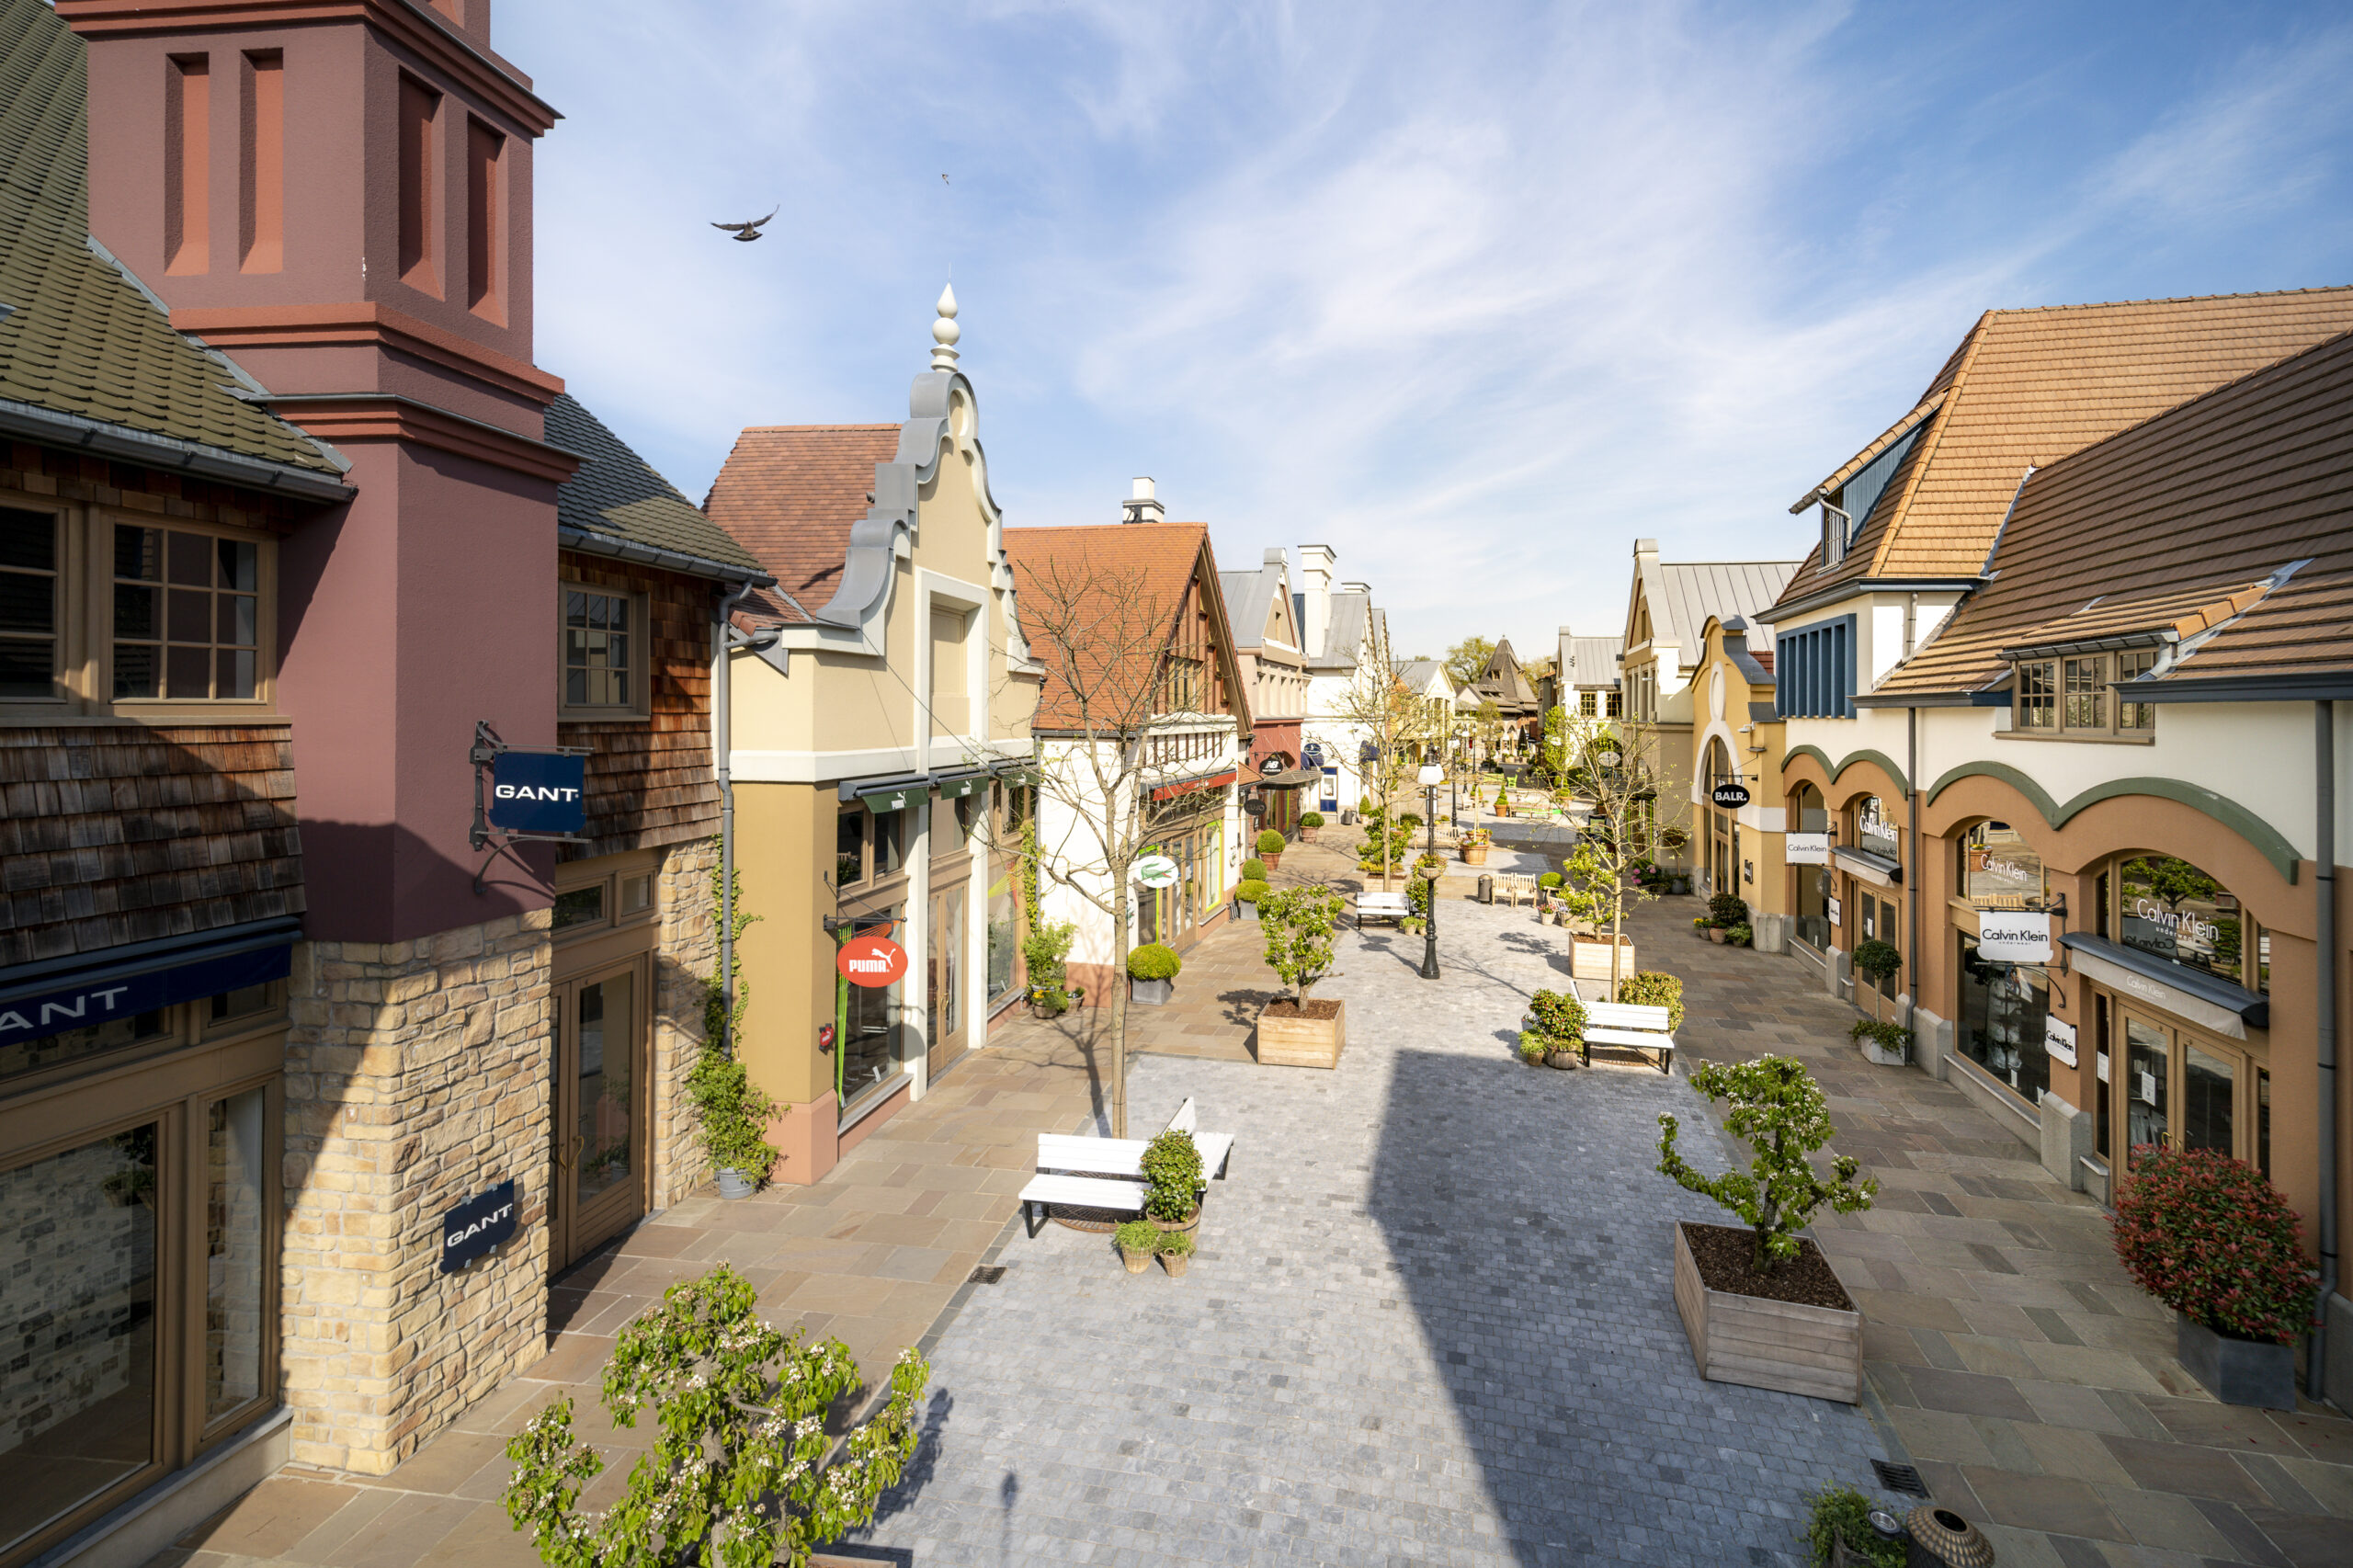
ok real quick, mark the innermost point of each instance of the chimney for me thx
(1315, 562)
(1364, 588)
(1142, 504)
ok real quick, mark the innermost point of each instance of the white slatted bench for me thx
(1624, 1027)
(1515, 885)
(1073, 1170)
(1390, 907)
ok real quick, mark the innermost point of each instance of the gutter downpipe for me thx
(1912, 871)
(722, 739)
(2324, 1019)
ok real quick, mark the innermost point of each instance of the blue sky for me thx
(1474, 294)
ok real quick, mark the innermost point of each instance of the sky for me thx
(1475, 294)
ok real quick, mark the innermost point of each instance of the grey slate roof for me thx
(1344, 639)
(1683, 595)
(1247, 599)
(1588, 661)
(79, 336)
(616, 494)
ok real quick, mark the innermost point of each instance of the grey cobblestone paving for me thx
(1431, 1323)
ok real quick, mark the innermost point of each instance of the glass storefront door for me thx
(600, 1111)
(2181, 1090)
(2147, 1063)
(945, 1035)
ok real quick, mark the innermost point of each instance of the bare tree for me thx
(1119, 677)
(1391, 723)
(1620, 838)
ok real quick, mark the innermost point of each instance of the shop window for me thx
(891, 833)
(2103, 1075)
(2180, 1091)
(603, 654)
(616, 896)
(29, 604)
(1876, 830)
(80, 1292)
(867, 1022)
(2001, 870)
(1005, 934)
(849, 847)
(2262, 1122)
(637, 894)
(2168, 908)
(243, 1003)
(236, 1238)
(581, 906)
(1877, 921)
(2003, 1010)
(186, 616)
(2206, 1094)
(74, 1046)
(2068, 696)
(2147, 1104)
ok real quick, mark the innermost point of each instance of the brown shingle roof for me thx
(789, 493)
(2031, 386)
(1096, 576)
(2181, 523)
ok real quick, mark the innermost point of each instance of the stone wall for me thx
(417, 1076)
(684, 963)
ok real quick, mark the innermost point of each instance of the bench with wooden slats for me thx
(1107, 1174)
(1389, 906)
(1624, 1027)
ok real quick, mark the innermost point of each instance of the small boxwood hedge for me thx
(1154, 961)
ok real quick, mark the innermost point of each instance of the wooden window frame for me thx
(2065, 686)
(85, 660)
(639, 707)
(611, 873)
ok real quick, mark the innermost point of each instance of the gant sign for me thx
(536, 792)
(477, 1225)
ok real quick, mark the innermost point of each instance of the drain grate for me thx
(1900, 1478)
(990, 1273)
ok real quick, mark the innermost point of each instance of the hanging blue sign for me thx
(477, 1225)
(1311, 755)
(533, 792)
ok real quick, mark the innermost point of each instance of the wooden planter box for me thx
(1303, 1042)
(1589, 958)
(1767, 1345)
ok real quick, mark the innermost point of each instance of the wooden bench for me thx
(1389, 906)
(1623, 1027)
(1515, 885)
(1108, 1173)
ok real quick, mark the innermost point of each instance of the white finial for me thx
(945, 332)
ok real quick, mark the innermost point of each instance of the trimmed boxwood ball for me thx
(1311, 819)
(1270, 843)
(1254, 869)
(1154, 961)
(1549, 880)
(1251, 889)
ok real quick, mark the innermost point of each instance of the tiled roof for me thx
(2032, 386)
(616, 493)
(789, 493)
(2181, 523)
(1100, 577)
(79, 336)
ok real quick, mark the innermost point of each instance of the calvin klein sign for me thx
(476, 1226)
(2008, 936)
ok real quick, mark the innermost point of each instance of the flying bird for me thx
(751, 231)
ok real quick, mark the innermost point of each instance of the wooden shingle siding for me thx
(650, 781)
(70, 476)
(110, 835)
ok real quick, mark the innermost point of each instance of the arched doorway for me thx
(1722, 861)
(1808, 851)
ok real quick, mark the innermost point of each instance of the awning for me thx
(1022, 772)
(2186, 992)
(57, 995)
(1870, 867)
(956, 788)
(1187, 786)
(883, 797)
(1289, 778)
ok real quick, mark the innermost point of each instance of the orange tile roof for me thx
(2182, 524)
(1115, 589)
(789, 493)
(2032, 386)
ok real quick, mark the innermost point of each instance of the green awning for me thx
(956, 788)
(1027, 774)
(895, 798)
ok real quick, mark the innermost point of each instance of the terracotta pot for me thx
(1273, 859)
(1137, 1262)
(1307, 835)
(1716, 934)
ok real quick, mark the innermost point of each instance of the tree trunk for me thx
(1119, 1009)
(1616, 924)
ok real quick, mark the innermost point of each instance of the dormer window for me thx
(2068, 696)
(1837, 527)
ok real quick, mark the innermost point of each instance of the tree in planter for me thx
(1774, 1103)
(743, 1472)
(1302, 926)
(1391, 727)
(1878, 959)
(1604, 871)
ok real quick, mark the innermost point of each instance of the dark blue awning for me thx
(49, 997)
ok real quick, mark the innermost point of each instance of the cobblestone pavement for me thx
(2033, 1384)
(1431, 1323)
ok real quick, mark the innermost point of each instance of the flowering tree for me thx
(740, 1476)
(1777, 1106)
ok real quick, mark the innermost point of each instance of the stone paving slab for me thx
(1432, 1323)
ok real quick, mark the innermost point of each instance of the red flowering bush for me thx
(2215, 1240)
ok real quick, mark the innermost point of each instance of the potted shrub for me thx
(1878, 959)
(1173, 1180)
(1308, 823)
(2211, 1239)
(1302, 924)
(1136, 1240)
(1151, 974)
(1839, 1530)
(1270, 849)
(1254, 870)
(1655, 988)
(1761, 1305)
(1553, 1030)
(1740, 937)
(1885, 1044)
(1248, 895)
(1175, 1249)
(731, 1118)
(1726, 910)
(1476, 842)
(745, 1462)
(1547, 886)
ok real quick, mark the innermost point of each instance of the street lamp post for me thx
(1428, 778)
